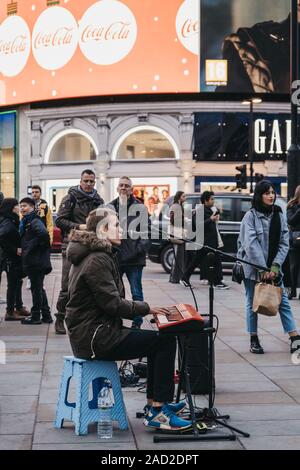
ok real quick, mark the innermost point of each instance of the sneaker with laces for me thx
(176, 408)
(165, 418)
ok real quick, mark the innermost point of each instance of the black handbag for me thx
(238, 274)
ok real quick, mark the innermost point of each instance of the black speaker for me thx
(196, 349)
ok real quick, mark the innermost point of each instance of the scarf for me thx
(27, 219)
(91, 195)
(274, 235)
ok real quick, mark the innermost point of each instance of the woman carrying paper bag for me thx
(264, 240)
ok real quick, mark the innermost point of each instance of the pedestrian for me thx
(95, 311)
(43, 210)
(293, 219)
(2, 300)
(36, 264)
(264, 241)
(133, 249)
(73, 211)
(211, 239)
(10, 242)
(177, 232)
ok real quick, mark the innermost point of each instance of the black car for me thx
(232, 208)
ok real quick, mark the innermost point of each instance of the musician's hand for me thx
(159, 311)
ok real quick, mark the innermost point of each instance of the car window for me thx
(225, 206)
(246, 205)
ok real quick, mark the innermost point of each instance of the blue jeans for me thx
(285, 311)
(134, 276)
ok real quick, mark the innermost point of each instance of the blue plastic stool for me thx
(84, 412)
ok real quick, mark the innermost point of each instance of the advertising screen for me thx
(52, 49)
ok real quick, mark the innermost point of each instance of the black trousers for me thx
(14, 289)
(295, 268)
(160, 352)
(39, 296)
(199, 259)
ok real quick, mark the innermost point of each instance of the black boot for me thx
(34, 319)
(295, 343)
(46, 318)
(255, 346)
(59, 324)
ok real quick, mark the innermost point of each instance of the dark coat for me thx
(10, 241)
(133, 251)
(210, 228)
(35, 244)
(293, 217)
(96, 303)
(258, 59)
(74, 210)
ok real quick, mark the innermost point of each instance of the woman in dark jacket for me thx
(35, 243)
(10, 243)
(95, 311)
(293, 219)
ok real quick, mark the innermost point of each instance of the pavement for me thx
(261, 393)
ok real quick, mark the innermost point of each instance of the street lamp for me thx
(251, 102)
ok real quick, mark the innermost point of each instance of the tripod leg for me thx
(181, 369)
(228, 426)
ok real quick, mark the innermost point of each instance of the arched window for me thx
(71, 146)
(145, 143)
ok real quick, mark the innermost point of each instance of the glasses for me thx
(89, 181)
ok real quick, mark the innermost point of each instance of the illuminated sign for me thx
(216, 72)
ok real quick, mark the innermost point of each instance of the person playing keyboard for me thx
(95, 311)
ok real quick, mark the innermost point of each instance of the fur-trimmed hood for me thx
(83, 243)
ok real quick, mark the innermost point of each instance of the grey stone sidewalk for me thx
(261, 393)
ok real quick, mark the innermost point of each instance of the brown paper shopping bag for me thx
(267, 299)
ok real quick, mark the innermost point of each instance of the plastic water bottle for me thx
(104, 428)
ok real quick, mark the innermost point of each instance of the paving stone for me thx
(252, 397)
(21, 383)
(18, 404)
(20, 423)
(17, 442)
(100, 445)
(272, 443)
(45, 433)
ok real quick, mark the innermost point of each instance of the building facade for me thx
(153, 143)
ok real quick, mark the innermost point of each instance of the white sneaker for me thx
(204, 282)
(28, 284)
(222, 286)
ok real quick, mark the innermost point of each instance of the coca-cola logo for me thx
(189, 28)
(54, 38)
(113, 32)
(14, 45)
(107, 32)
(188, 25)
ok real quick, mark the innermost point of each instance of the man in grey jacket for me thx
(72, 214)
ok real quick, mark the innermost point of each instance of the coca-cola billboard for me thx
(188, 25)
(14, 45)
(54, 38)
(107, 32)
(88, 47)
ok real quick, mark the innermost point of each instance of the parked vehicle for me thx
(57, 238)
(232, 207)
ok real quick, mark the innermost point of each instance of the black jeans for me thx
(199, 259)
(14, 289)
(160, 351)
(295, 268)
(39, 296)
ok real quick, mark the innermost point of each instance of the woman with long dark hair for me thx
(176, 231)
(264, 240)
(10, 243)
(293, 218)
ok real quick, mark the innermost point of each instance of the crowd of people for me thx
(99, 248)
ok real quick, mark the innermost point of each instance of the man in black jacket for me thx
(35, 244)
(134, 247)
(211, 238)
(72, 214)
